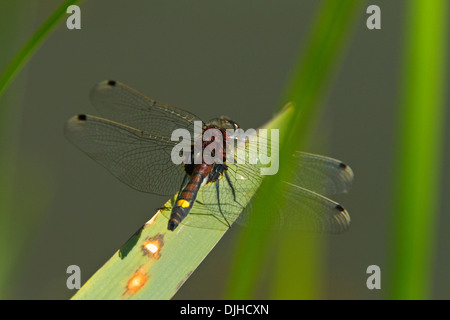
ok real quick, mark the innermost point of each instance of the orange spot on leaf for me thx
(137, 281)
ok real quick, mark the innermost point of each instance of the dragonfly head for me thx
(223, 123)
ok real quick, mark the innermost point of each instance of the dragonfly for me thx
(132, 139)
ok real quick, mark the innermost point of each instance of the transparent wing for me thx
(134, 143)
(300, 209)
(122, 104)
(321, 174)
(232, 193)
(136, 157)
(315, 213)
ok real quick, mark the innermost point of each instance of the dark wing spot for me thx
(112, 83)
(343, 165)
(340, 208)
(82, 117)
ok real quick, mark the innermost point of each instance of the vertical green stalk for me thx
(419, 151)
(18, 179)
(297, 273)
(11, 28)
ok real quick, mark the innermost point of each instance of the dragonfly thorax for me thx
(211, 147)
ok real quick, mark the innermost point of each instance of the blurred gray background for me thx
(211, 58)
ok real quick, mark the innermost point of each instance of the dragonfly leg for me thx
(182, 184)
(218, 201)
(232, 188)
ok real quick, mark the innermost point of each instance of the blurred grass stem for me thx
(419, 151)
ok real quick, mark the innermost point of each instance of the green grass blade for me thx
(22, 200)
(297, 258)
(419, 152)
(134, 272)
(11, 28)
(299, 276)
(32, 44)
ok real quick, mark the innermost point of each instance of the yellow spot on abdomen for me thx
(183, 203)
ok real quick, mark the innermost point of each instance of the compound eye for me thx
(234, 124)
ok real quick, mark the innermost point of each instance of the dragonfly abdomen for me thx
(187, 197)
